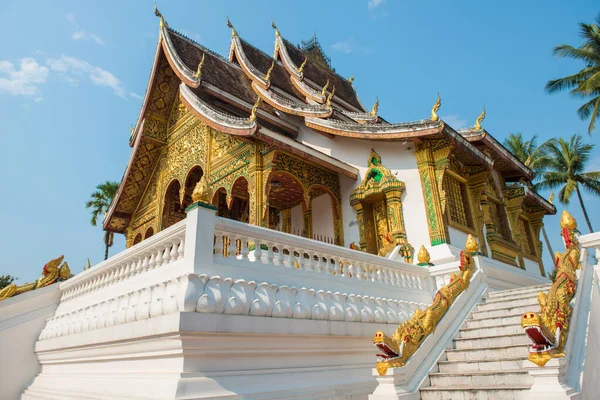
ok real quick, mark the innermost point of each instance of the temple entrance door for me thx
(376, 223)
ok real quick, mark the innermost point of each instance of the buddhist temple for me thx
(286, 241)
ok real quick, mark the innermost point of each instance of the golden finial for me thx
(328, 104)
(64, 271)
(479, 120)
(89, 265)
(325, 88)
(567, 221)
(436, 108)
(268, 75)
(254, 109)
(551, 198)
(301, 67)
(375, 107)
(230, 25)
(471, 244)
(275, 27)
(131, 131)
(351, 79)
(198, 73)
(423, 256)
(159, 15)
(201, 191)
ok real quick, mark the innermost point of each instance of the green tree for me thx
(535, 158)
(585, 84)
(566, 170)
(99, 203)
(6, 280)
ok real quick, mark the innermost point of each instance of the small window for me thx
(459, 208)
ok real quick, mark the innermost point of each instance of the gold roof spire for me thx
(230, 25)
(328, 104)
(375, 107)
(351, 79)
(436, 108)
(324, 88)
(479, 120)
(275, 27)
(159, 15)
(198, 73)
(551, 198)
(255, 109)
(268, 75)
(301, 67)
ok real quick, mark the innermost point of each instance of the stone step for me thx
(505, 312)
(500, 364)
(475, 393)
(492, 341)
(488, 354)
(519, 291)
(487, 300)
(494, 321)
(489, 331)
(530, 301)
(481, 378)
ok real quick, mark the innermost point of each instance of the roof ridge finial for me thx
(479, 119)
(375, 107)
(198, 73)
(163, 23)
(351, 79)
(328, 103)
(275, 27)
(255, 109)
(325, 88)
(301, 67)
(436, 108)
(268, 75)
(230, 25)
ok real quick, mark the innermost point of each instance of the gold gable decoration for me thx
(378, 204)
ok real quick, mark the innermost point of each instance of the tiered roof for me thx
(246, 94)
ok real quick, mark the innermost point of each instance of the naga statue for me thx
(548, 329)
(50, 274)
(411, 333)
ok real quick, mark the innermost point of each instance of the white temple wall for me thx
(322, 216)
(457, 237)
(531, 266)
(22, 318)
(398, 157)
(297, 220)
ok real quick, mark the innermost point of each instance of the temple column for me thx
(308, 227)
(477, 179)
(338, 226)
(431, 193)
(514, 206)
(286, 220)
(360, 219)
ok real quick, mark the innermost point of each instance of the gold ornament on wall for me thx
(423, 256)
(471, 245)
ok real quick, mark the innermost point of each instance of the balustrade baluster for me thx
(181, 249)
(290, 260)
(301, 260)
(270, 255)
(151, 262)
(166, 255)
(244, 249)
(173, 254)
(232, 246)
(218, 245)
(159, 258)
(145, 263)
(257, 252)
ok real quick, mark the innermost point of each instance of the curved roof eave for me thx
(382, 132)
(289, 107)
(214, 118)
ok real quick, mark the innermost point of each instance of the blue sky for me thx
(72, 75)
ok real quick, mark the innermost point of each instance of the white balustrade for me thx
(158, 251)
(235, 241)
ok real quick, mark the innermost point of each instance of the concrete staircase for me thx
(486, 359)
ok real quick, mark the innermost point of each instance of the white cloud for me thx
(375, 3)
(135, 96)
(74, 69)
(24, 81)
(343, 46)
(455, 121)
(82, 34)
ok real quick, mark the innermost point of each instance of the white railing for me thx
(236, 241)
(158, 251)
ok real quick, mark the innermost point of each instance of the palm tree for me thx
(585, 83)
(99, 202)
(566, 170)
(535, 158)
